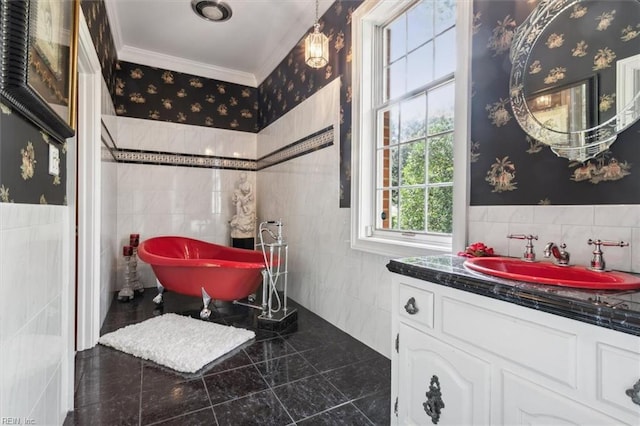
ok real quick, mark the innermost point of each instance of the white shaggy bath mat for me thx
(182, 343)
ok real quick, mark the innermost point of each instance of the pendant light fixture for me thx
(316, 46)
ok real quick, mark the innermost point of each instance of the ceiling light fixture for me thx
(316, 46)
(211, 10)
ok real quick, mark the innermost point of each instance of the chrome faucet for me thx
(597, 262)
(559, 252)
(529, 255)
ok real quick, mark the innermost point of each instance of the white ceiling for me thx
(244, 49)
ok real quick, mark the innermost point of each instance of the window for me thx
(410, 117)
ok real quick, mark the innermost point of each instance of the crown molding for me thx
(173, 63)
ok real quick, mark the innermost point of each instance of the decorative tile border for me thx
(107, 155)
(312, 143)
(184, 160)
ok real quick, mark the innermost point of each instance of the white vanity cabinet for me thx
(464, 359)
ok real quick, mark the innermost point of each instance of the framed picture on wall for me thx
(568, 108)
(39, 62)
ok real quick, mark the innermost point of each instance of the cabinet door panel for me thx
(618, 370)
(526, 403)
(464, 382)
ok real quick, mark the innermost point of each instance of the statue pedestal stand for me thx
(245, 243)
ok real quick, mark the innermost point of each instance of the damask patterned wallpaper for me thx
(24, 163)
(293, 81)
(507, 166)
(95, 14)
(165, 95)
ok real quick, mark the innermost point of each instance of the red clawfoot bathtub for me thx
(193, 267)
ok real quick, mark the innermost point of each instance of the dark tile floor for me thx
(310, 374)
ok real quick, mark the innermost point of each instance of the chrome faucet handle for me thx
(529, 255)
(597, 262)
(559, 252)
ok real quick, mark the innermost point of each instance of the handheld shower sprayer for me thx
(275, 253)
(264, 227)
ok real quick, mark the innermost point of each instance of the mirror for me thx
(575, 77)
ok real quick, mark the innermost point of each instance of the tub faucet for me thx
(561, 255)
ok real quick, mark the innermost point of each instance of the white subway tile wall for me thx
(32, 337)
(164, 200)
(150, 135)
(348, 288)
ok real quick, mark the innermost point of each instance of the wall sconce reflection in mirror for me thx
(570, 108)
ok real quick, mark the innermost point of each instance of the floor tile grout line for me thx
(325, 411)
(206, 389)
(243, 396)
(178, 416)
(282, 405)
(360, 411)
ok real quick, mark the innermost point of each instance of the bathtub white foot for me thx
(205, 313)
(158, 299)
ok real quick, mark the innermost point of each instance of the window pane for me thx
(440, 218)
(388, 174)
(441, 159)
(396, 39)
(395, 209)
(420, 67)
(412, 209)
(445, 58)
(396, 79)
(445, 14)
(412, 163)
(419, 24)
(412, 118)
(441, 106)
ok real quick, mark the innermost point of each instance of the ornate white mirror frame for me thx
(581, 144)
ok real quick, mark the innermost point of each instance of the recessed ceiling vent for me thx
(211, 10)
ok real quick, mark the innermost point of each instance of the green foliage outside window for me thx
(414, 213)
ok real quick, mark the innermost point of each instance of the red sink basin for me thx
(552, 274)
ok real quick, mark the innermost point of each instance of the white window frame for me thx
(370, 14)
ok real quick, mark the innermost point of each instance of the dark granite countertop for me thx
(617, 310)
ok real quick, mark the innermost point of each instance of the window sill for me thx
(397, 249)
